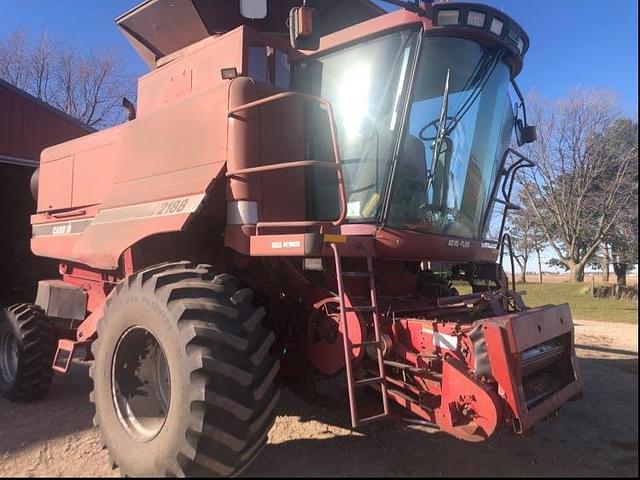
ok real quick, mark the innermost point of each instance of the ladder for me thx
(371, 309)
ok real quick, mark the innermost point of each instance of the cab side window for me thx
(258, 64)
(269, 66)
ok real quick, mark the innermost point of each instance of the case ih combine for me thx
(286, 202)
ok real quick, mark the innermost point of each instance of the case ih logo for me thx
(61, 229)
(459, 243)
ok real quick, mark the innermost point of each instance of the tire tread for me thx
(233, 373)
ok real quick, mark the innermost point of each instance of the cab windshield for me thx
(366, 85)
(458, 126)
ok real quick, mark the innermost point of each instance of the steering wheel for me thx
(432, 124)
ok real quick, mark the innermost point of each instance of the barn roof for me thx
(28, 125)
(47, 106)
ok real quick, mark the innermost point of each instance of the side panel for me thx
(149, 175)
(99, 164)
(159, 169)
(180, 137)
(192, 74)
(78, 173)
(55, 192)
(509, 338)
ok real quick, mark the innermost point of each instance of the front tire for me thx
(27, 348)
(183, 375)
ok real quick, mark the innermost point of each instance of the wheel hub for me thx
(140, 384)
(8, 356)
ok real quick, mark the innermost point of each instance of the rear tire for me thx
(183, 375)
(27, 348)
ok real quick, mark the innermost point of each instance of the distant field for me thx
(583, 306)
(558, 278)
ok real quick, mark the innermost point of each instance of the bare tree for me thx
(624, 245)
(88, 86)
(14, 59)
(527, 237)
(623, 236)
(579, 184)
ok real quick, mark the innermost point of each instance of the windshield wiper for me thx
(444, 113)
(480, 76)
(442, 130)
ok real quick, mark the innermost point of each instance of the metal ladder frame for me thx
(348, 346)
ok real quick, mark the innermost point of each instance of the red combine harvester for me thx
(301, 199)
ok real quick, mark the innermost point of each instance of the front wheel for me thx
(27, 348)
(183, 374)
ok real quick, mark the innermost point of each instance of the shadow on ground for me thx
(595, 436)
(65, 411)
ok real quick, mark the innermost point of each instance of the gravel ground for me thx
(595, 436)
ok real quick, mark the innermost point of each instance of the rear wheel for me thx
(27, 348)
(183, 374)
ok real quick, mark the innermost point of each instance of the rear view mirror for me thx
(304, 36)
(253, 9)
(530, 134)
(525, 134)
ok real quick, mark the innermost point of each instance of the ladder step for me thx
(356, 274)
(404, 366)
(367, 308)
(372, 343)
(374, 418)
(403, 395)
(369, 381)
(435, 376)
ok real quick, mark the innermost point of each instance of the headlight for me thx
(497, 26)
(476, 19)
(482, 22)
(448, 17)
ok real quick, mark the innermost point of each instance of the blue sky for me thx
(586, 42)
(593, 43)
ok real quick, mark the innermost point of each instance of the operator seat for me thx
(413, 156)
(411, 179)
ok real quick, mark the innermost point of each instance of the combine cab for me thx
(273, 208)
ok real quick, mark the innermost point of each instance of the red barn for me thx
(27, 126)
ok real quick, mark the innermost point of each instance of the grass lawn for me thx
(583, 305)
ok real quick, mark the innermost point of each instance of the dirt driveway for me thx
(596, 436)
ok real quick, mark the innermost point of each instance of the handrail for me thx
(506, 240)
(281, 166)
(523, 162)
(506, 187)
(342, 193)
